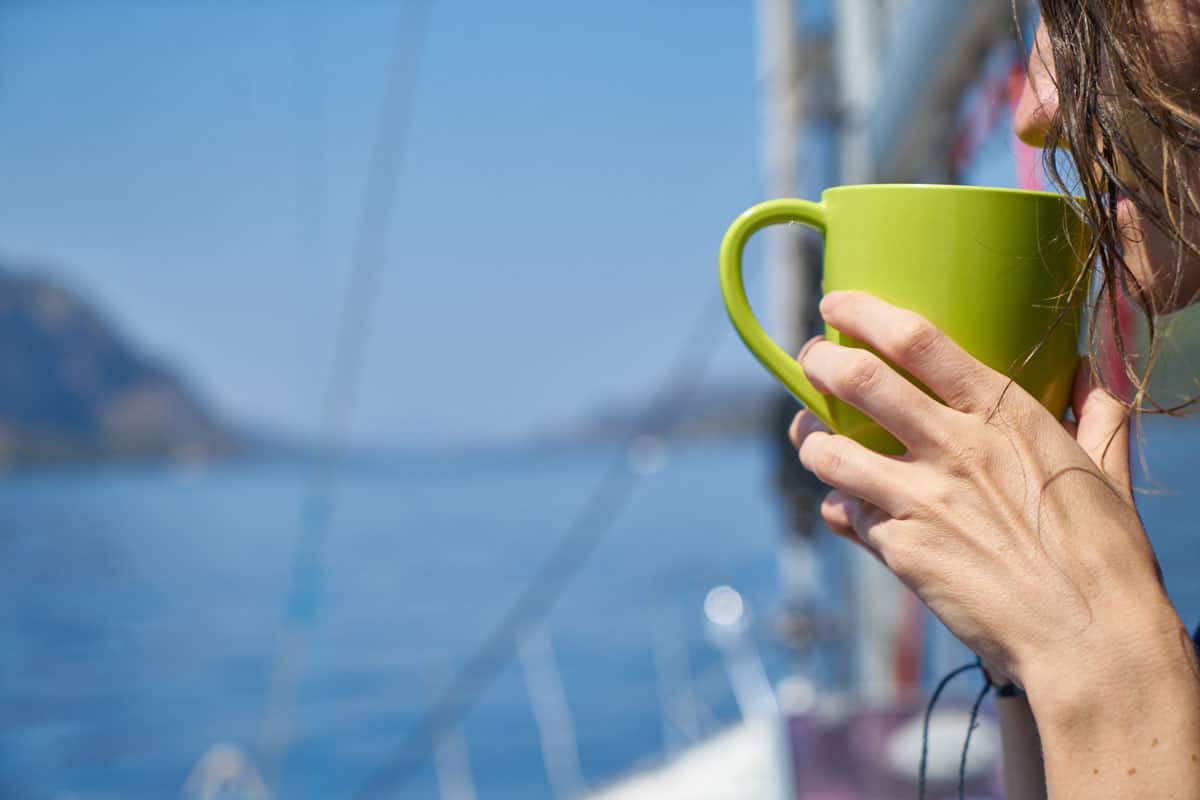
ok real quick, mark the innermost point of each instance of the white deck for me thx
(735, 763)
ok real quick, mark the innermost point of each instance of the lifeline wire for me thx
(574, 547)
(367, 259)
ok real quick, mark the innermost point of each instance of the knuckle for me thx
(832, 464)
(901, 555)
(965, 443)
(941, 428)
(986, 392)
(917, 341)
(869, 527)
(960, 396)
(965, 456)
(870, 536)
(934, 495)
(824, 456)
(861, 373)
(901, 565)
(1012, 409)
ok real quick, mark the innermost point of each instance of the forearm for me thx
(1126, 723)
(1024, 772)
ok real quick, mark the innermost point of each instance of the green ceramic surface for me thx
(990, 267)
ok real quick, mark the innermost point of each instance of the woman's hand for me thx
(1020, 536)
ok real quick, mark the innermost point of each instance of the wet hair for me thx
(1132, 129)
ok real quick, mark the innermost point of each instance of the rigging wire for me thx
(575, 545)
(368, 256)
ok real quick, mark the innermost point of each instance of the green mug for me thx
(998, 270)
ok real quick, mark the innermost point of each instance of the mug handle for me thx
(781, 364)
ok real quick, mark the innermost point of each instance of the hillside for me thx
(73, 388)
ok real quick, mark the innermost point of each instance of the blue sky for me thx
(196, 167)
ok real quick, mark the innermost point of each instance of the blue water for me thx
(140, 609)
(140, 612)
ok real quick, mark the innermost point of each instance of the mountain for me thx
(73, 388)
(719, 411)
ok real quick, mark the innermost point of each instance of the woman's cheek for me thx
(1167, 271)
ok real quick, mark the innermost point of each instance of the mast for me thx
(784, 97)
(903, 69)
(876, 595)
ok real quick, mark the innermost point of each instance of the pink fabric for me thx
(1030, 174)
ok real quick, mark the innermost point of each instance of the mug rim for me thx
(862, 187)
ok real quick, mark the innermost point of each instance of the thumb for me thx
(1102, 427)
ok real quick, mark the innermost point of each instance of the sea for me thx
(143, 613)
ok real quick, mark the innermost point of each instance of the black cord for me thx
(971, 725)
(929, 714)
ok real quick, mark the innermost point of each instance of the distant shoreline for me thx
(73, 388)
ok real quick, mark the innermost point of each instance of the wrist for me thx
(1114, 669)
(1121, 717)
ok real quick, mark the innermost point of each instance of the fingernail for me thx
(831, 301)
(798, 428)
(807, 346)
(810, 423)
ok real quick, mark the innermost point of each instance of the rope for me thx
(976, 664)
(972, 724)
